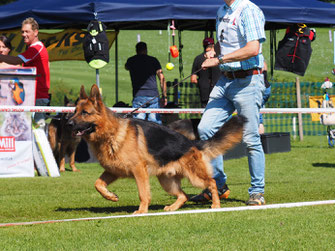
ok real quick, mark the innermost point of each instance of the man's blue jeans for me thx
(140, 100)
(37, 116)
(245, 95)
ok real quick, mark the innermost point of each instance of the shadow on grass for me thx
(99, 210)
(305, 147)
(131, 209)
(209, 202)
(325, 165)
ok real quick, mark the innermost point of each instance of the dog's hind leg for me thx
(214, 191)
(53, 140)
(196, 171)
(143, 185)
(172, 185)
(52, 136)
(102, 183)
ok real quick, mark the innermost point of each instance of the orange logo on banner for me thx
(7, 144)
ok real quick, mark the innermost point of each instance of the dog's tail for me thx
(228, 136)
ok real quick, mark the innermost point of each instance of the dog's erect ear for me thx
(95, 93)
(66, 100)
(83, 94)
(95, 97)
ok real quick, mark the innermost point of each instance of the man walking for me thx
(240, 32)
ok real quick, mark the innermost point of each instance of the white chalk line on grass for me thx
(197, 211)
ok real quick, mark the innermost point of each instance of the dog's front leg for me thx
(102, 183)
(62, 158)
(73, 161)
(143, 185)
(172, 185)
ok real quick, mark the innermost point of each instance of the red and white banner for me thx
(17, 88)
(7, 144)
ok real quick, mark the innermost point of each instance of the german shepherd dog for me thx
(62, 140)
(127, 147)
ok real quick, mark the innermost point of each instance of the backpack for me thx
(295, 50)
(95, 45)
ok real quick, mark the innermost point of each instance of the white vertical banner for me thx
(17, 87)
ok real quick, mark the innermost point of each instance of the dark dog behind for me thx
(127, 147)
(61, 139)
(187, 127)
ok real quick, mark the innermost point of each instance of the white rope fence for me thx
(60, 109)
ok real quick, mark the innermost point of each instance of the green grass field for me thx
(304, 174)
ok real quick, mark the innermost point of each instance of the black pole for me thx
(97, 77)
(116, 70)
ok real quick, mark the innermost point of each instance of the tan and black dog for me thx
(61, 139)
(127, 147)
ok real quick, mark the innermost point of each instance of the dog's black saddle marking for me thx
(163, 143)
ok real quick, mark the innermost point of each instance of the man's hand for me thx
(160, 75)
(194, 79)
(163, 101)
(211, 62)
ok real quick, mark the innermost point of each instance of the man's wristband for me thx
(220, 57)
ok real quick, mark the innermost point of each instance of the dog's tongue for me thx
(80, 133)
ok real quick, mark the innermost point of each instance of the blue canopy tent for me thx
(156, 14)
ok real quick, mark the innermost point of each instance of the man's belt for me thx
(242, 73)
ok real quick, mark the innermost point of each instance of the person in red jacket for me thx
(37, 56)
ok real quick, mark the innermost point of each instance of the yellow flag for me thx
(316, 102)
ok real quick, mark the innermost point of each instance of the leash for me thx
(127, 115)
(53, 117)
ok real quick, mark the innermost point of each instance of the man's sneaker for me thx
(206, 195)
(256, 199)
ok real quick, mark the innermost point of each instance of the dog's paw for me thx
(167, 208)
(171, 208)
(112, 197)
(216, 206)
(140, 212)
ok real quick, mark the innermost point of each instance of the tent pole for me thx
(116, 72)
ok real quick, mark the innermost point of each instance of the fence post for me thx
(294, 127)
(175, 91)
(301, 132)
